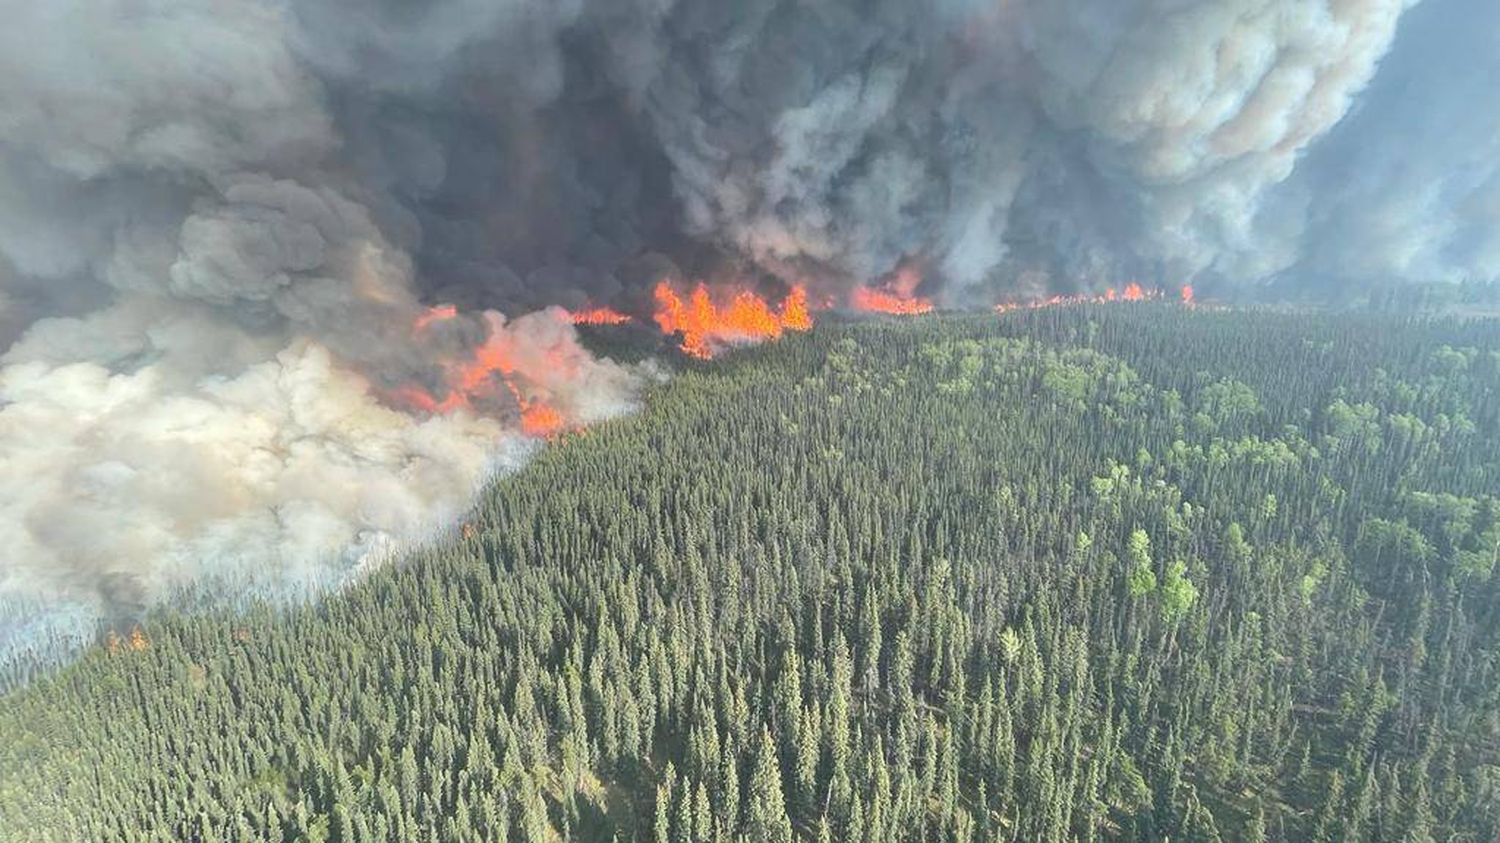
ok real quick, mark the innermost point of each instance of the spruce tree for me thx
(766, 817)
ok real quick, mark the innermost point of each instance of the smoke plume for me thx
(225, 224)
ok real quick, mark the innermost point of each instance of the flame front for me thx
(707, 321)
(897, 295)
(707, 326)
(538, 419)
(598, 316)
(887, 301)
(489, 368)
(794, 313)
(1133, 292)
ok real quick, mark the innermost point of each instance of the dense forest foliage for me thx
(1468, 298)
(1111, 572)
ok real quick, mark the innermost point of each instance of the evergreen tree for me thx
(766, 817)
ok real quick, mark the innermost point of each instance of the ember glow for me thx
(708, 322)
(436, 313)
(598, 316)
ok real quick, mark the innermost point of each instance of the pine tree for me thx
(806, 768)
(766, 817)
(1256, 832)
(662, 827)
(683, 825)
(1419, 821)
(728, 813)
(703, 817)
(1332, 814)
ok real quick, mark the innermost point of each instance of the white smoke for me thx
(152, 445)
(152, 477)
(1202, 107)
(205, 323)
(1408, 188)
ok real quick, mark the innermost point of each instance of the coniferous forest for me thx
(1130, 572)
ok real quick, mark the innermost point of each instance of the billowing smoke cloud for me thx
(1082, 140)
(1408, 187)
(211, 308)
(222, 222)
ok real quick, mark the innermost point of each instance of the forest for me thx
(1089, 573)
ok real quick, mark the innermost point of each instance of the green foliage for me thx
(1142, 577)
(1228, 400)
(1142, 580)
(1177, 593)
(1128, 572)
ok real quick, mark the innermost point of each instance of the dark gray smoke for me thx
(220, 219)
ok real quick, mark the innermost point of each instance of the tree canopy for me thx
(1101, 572)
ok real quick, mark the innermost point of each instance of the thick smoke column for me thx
(209, 302)
(1408, 187)
(1073, 141)
(223, 223)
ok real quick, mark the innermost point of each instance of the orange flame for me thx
(492, 365)
(598, 316)
(1133, 293)
(707, 326)
(886, 301)
(539, 419)
(1187, 294)
(897, 295)
(137, 642)
(794, 313)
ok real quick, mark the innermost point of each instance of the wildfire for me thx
(707, 320)
(886, 301)
(539, 419)
(794, 313)
(491, 366)
(137, 642)
(1133, 292)
(598, 316)
(896, 296)
(707, 326)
